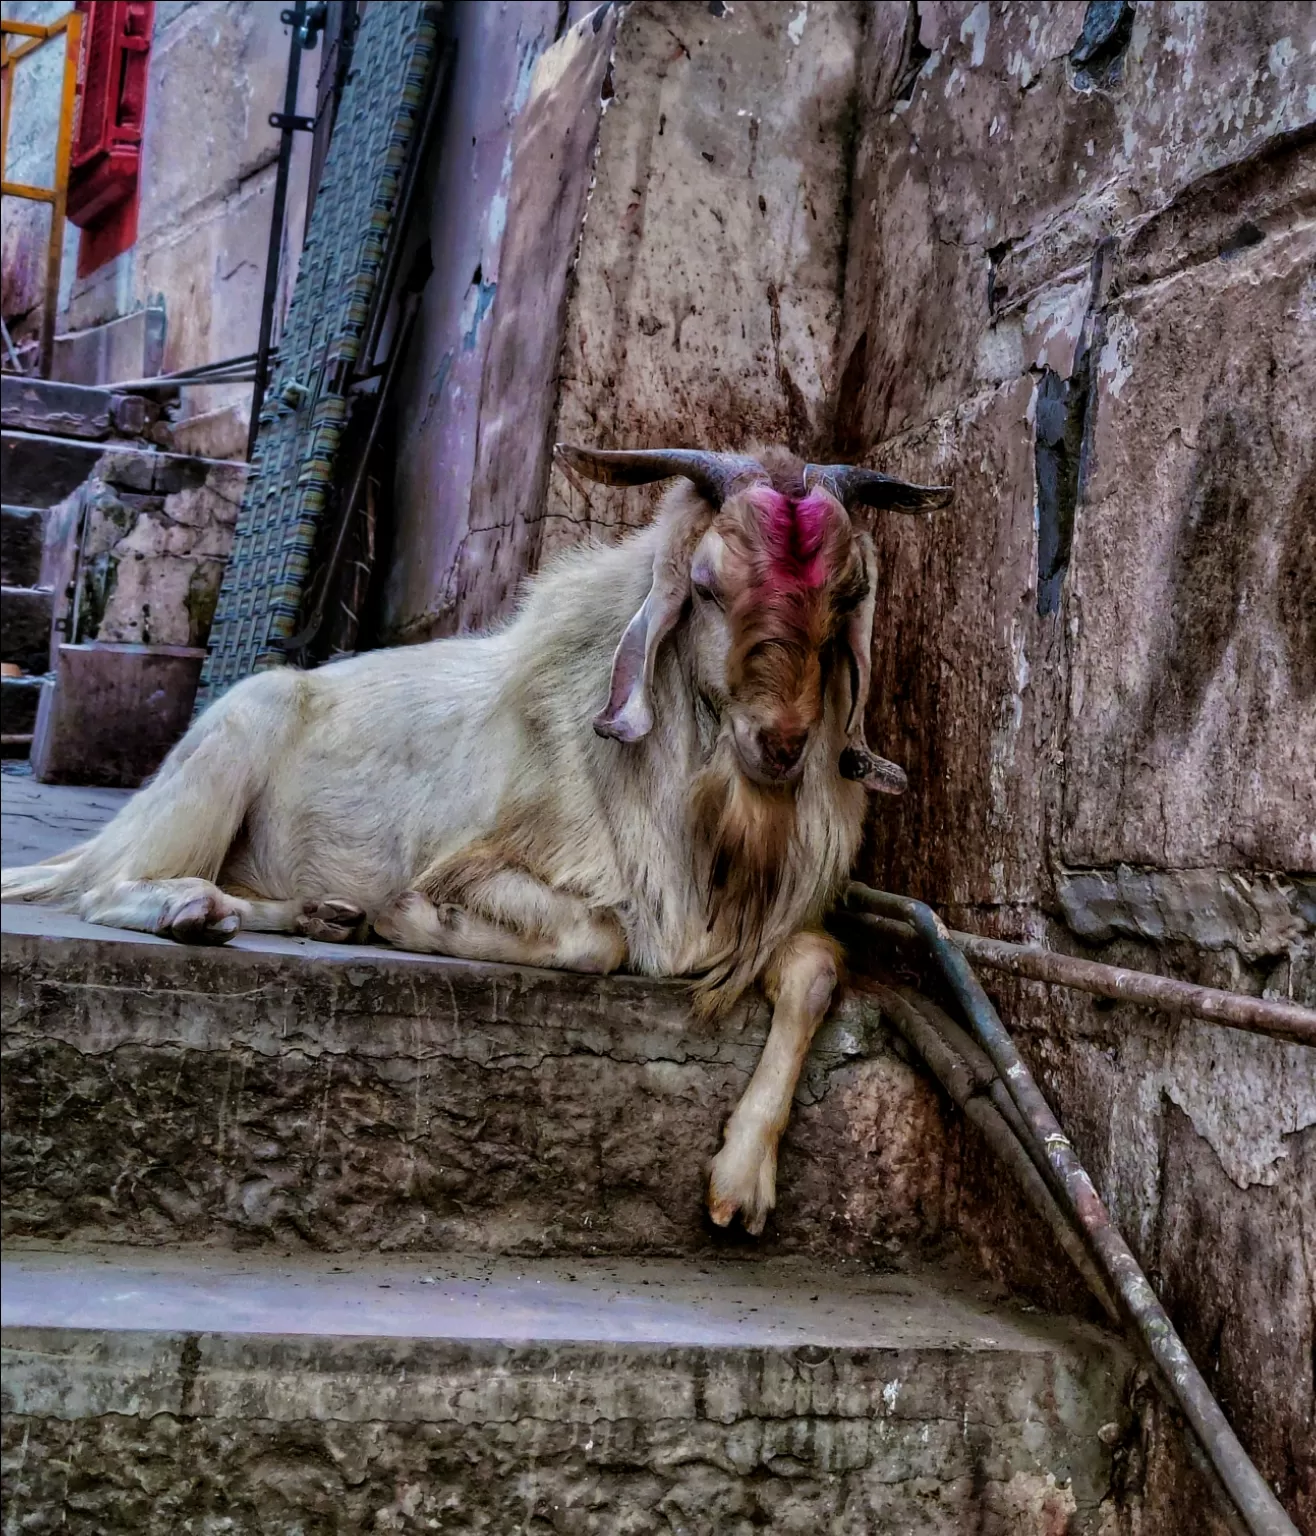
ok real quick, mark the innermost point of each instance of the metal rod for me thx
(1260, 1510)
(274, 251)
(1260, 1015)
(59, 203)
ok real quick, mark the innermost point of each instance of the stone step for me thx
(39, 470)
(19, 697)
(278, 1091)
(54, 408)
(193, 1390)
(21, 530)
(25, 618)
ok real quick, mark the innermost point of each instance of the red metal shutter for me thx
(108, 147)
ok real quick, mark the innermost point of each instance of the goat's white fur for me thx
(350, 781)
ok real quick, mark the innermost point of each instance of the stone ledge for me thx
(282, 1091)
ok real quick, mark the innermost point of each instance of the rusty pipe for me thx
(1259, 1015)
(1259, 1509)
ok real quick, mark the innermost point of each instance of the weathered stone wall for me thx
(1086, 296)
(1061, 255)
(154, 532)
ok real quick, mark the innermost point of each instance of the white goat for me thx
(454, 797)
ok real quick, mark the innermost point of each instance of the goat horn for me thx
(853, 486)
(714, 474)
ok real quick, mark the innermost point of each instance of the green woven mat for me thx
(302, 420)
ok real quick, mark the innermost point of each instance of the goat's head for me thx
(780, 586)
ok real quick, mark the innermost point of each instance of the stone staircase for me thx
(307, 1238)
(160, 520)
(51, 436)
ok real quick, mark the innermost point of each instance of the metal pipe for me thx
(1260, 1015)
(276, 224)
(1258, 1507)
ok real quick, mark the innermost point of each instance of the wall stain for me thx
(1209, 571)
(1295, 593)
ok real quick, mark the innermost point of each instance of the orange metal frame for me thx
(34, 36)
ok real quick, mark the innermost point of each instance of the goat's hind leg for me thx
(189, 910)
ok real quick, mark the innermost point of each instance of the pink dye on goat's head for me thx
(793, 529)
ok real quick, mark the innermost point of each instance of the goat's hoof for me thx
(332, 920)
(199, 920)
(744, 1180)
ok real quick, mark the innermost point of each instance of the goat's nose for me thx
(780, 750)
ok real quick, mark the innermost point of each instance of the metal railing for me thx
(34, 36)
(1019, 1124)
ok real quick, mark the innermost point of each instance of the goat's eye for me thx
(705, 591)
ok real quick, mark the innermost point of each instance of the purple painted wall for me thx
(465, 214)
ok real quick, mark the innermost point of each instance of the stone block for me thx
(1257, 915)
(212, 265)
(222, 67)
(113, 712)
(735, 1397)
(39, 471)
(395, 1102)
(1191, 729)
(116, 351)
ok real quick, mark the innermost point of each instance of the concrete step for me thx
(21, 530)
(38, 821)
(281, 1092)
(53, 408)
(157, 1393)
(25, 618)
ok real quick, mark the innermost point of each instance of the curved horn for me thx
(715, 474)
(856, 487)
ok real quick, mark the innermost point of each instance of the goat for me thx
(453, 797)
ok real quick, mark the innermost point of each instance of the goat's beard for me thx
(742, 844)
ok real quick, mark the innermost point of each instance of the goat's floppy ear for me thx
(628, 714)
(857, 760)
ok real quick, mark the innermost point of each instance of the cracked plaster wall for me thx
(1061, 255)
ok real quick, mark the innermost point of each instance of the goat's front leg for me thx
(473, 911)
(799, 982)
